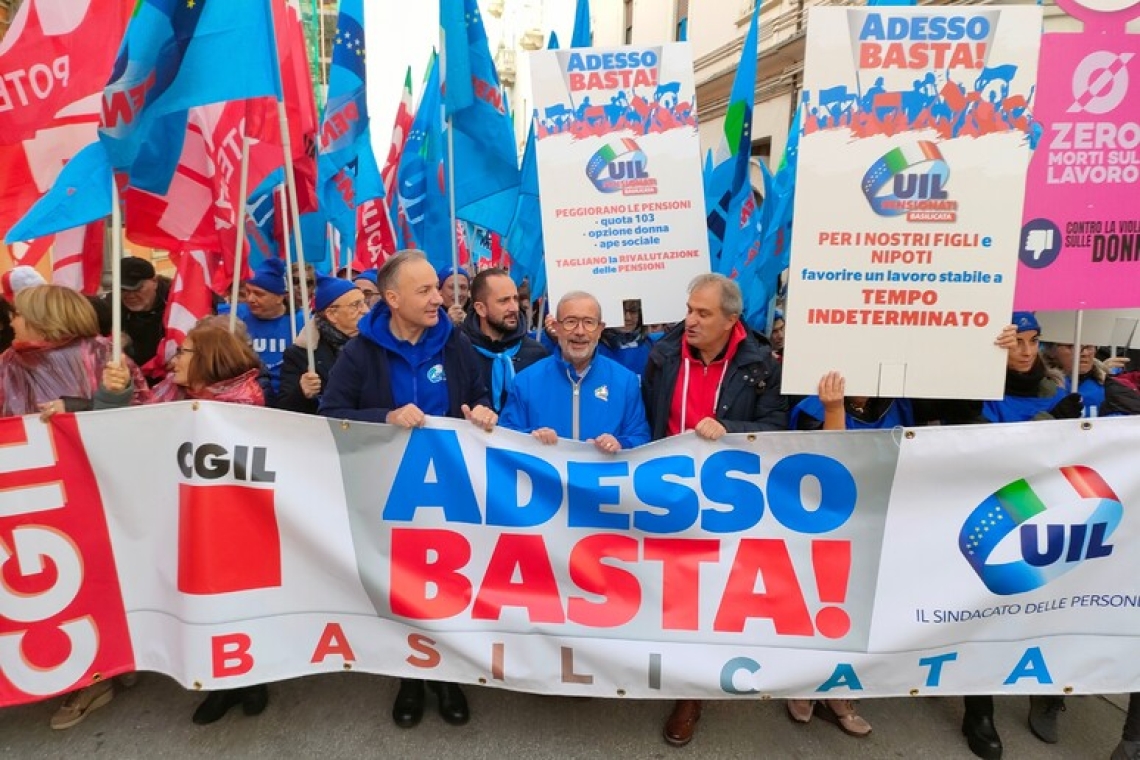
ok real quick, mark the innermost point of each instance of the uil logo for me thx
(1025, 535)
(436, 374)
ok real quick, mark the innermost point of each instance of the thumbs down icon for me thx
(1038, 241)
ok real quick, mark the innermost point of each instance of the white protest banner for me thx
(225, 545)
(909, 190)
(623, 212)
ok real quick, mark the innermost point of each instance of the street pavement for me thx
(346, 715)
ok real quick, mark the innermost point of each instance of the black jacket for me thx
(530, 350)
(145, 328)
(294, 363)
(1121, 398)
(750, 399)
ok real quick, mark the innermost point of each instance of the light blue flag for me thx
(347, 175)
(423, 204)
(583, 36)
(524, 242)
(176, 55)
(486, 172)
(81, 194)
(730, 170)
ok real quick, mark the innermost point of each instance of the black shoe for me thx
(216, 705)
(1043, 717)
(452, 703)
(408, 709)
(254, 699)
(982, 736)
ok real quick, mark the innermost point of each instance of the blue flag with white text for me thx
(347, 175)
(486, 172)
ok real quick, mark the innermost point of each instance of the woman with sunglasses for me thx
(339, 305)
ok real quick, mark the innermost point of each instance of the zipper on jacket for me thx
(576, 408)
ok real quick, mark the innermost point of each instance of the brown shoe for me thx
(800, 710)
(842, 713)
(682, 723)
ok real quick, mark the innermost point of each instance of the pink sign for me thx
(1080, 241)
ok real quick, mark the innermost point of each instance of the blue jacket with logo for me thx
(607, 399)
(270, 339)
(377, 372)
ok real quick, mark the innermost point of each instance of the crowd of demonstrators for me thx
(338, 306)
(409, 362)
(578, 393)
(498, 333)
(389, 347)
(455, 289)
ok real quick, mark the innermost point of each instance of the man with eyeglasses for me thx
(496, 330)
(366, 281)
(579, 394)
(338, 307)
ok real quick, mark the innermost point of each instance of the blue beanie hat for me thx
(447, 271)
(270, 277)
(367, 274)
(1025, 321)
(329, 289)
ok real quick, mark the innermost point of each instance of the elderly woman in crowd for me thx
(339, 305)
(52, 366)
(1091, 372)
(212, 364)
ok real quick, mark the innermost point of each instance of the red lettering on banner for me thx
(537, 589)
(782, 601)
(488, 93)
(339, 123)
(922, 55)
(619, 588)
(333, 642)
(228, 539)
(429, 656)
(413, 570)
(681, 560)
(120, 107)
(230, 654)
(61, 610)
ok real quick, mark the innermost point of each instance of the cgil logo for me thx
(1040, 542)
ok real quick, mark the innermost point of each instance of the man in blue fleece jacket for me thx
(408, 363)
(579, 394)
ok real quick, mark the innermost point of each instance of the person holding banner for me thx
(497, 332)
(50, 367)
(212, 364)
(578, 394)
(339, 305)
(408, 364)
(712, 375)
(1032, 391)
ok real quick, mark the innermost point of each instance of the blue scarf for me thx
(502, 371)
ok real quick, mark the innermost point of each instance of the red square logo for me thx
(227, 539)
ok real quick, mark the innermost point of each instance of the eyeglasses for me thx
(360, 305)
(371, 295)
(180, 351)
(570, 324)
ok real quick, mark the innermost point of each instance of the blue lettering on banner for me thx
(434, 473)
(928, 28)
(935, 663)
(623, 59)
(731, 668)
(1031, 665)
(843, 676)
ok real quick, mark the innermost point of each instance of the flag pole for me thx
(288, 261)
(1076, 368)
(450, 169)
(243, 184)
(291, 185)
(116, 275)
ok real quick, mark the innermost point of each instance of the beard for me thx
(502, 326)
